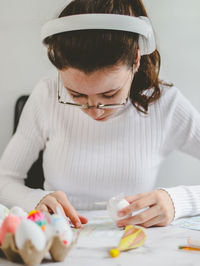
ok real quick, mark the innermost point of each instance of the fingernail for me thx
(78, 224)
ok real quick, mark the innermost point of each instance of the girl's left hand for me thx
(160, 212)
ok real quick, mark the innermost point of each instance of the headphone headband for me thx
(140, 25)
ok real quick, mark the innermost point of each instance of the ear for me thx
(137, 62)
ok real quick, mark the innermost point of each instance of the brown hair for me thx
(91, 50)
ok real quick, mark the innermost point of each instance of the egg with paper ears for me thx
(38, 217)
(4, 211)
(62, 228)
(18, 212)
(9, 225)
(28, 230)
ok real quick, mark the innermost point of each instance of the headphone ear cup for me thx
(147, 44)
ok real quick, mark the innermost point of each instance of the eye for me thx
(74, 94)
(110, 96)
(78, 95)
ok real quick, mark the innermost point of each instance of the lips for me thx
(99, 119)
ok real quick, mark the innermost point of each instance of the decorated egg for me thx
(18, 212)
(114, 205)
(28, 230)
(62, 228)
(132, 238)
(4, 211)
(38, 217)
(9, 225)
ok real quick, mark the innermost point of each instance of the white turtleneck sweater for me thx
(93, 161)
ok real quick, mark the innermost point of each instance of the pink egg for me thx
(9, 225)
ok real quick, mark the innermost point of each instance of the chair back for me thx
(35, 175)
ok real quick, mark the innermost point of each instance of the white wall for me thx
(176, 23)
(23, 62)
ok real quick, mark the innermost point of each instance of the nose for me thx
(93, 111)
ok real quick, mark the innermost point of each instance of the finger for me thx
(131, 199)
(69, 209)
(139, 204)
(42, 207)
(52, 205)
(83, 219)
(153, 222)
(140, 218)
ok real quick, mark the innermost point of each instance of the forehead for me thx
(97, 82)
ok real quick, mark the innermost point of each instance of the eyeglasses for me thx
(87, 106)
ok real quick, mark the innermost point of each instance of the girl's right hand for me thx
(52, 201)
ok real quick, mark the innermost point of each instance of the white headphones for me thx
(140, 25)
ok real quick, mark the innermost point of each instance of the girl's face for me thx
(109, 86)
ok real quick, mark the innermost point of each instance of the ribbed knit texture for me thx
(93, 161)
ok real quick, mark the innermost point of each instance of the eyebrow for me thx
(97, 93)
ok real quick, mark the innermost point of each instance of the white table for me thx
(100, 235)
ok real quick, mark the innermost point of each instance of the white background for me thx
(23, 62)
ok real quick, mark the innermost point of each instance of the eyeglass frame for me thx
(87, 106)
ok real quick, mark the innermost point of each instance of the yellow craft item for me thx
(114, 252)
(133, 237)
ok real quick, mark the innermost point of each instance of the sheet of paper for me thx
(192, 223)
(100, 226)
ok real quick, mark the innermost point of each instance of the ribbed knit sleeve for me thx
(182, 132)
(23, 150)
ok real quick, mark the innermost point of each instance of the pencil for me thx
(189, 248)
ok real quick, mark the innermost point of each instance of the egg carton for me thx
(29, 255)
